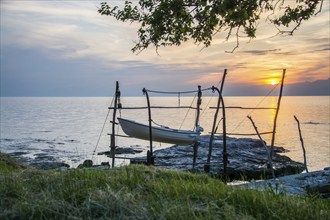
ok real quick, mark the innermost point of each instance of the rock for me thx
(316, 183)
(247, 159)
(17, 154)
(122, 150)
(41, 160)
(105, 164)
(44, 157)
(322, 190)
(86, 163)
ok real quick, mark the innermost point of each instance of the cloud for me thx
(92, 51)
(74, 28)
(261, 52)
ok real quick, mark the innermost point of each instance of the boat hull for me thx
(159, 134)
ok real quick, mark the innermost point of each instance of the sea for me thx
(73, 129)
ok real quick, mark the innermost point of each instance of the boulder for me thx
(86, 163)
(123, 150)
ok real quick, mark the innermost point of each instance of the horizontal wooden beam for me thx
(270, 132)
(142, 107)
(239, 107)
(128, 158)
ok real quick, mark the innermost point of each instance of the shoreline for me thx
(312, 183)
(315, 183)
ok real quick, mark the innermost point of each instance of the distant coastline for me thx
(135, 96)
(315, 88)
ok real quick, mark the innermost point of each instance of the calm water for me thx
(68, 128)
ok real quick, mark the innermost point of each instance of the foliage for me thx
(171, 22)
(140, 192)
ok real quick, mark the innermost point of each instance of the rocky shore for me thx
(315, 183)
(247, 158)
(40, 161)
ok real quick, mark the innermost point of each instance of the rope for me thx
(255, 107)
(163, 126)
(207, 105)
(165, 92)
(188, 111)
(97, 143)
(210, 98)
(216, 128)
(219, 83)
(265, 97)
(179, 92)
(117, 135)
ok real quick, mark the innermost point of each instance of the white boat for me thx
(159, 134)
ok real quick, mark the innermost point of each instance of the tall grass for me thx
(140, 192)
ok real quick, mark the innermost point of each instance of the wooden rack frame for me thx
(150, 157)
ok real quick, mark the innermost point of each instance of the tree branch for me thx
(167, 23)
(319, 9)
(237, 41)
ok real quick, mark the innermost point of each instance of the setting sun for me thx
(272, 81)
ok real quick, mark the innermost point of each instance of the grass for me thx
(140, 192)
(9, 164)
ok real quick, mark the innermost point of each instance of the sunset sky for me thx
(66, 48)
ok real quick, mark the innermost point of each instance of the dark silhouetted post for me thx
(276, 114)
(224, 139)
(208, 163)
(224, 130)
(263, 143)
(150, 159)
(199, 102)
(302, 143)
(112, 138)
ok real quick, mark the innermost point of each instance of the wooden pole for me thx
(150, 159)
(224, 139)
(276, 114)
(263, 143)
(223, 80)
(224, 134)
(199, 102)
(207, 165)
(224, 130)
(302, 143)
(112, 138)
